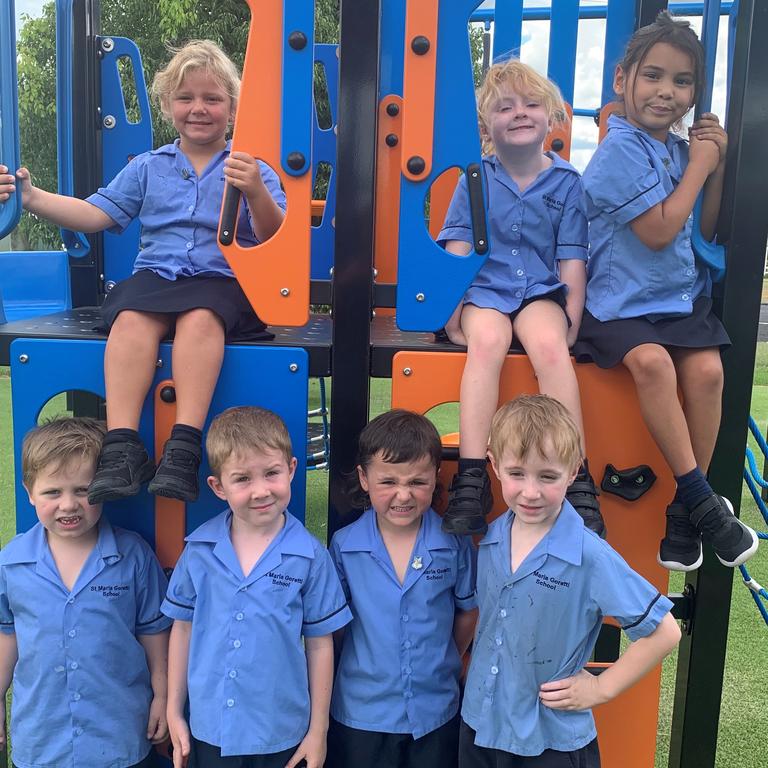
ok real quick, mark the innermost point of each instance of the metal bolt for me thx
(416, 165)
(285, 291)
(107, 44)
(23, 358)
(419, 297)
(393, 110)
(295, 161)
(293, 367)
(420, 45)
(391, 140)
(168, 394)
(640, 479)
(474, 174)
(481, 242)
(297, 40)
(615, 479)
(109, 121)
(330, 271)
(407, 371)
(375, 272)
(159, 363)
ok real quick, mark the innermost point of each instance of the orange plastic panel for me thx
(318, 208)
(170, 514)
(605, 113)
(419, 85)
(275, 274)
(615, 433)
(562, 132)
(440, 198)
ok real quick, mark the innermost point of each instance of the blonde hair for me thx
(60, 442)
(196, 55)
(528, 422)
(521, 78)
(245, 428)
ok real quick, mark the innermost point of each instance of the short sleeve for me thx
(325, 607)
(181, 597)
(625, 595)
(458, 221)
(621, 180)
(272, 183)
(151, 590)
(464, 594)
(335, 551)
(7, 625)
(122, 198)
(572, 234)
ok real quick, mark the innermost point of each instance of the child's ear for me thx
(292, 467)
(619, 81)
(214, 483)
(29, 494)
(362, 477)
(492, 459)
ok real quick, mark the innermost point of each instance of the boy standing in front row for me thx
(249, 586)
(544, 584)
(81, 632)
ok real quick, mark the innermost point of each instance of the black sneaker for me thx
(734, 543)
(123, 467)
(582, 494)
(176, 476)
(469, 501)
(680, 549)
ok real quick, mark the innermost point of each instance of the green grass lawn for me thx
(744, 715)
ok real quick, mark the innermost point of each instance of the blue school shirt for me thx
(178, 211)
(399, 667)
(540, 624)
(630, 173)
(81, 686)
(247, 678)
(529, 232)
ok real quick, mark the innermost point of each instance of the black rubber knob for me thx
(393, 110)
(297, 40)
(416, 165)
(168, 394)
(420, 45)
(296, 161)
(557, 144)
(391, 140)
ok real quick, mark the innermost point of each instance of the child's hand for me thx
(179, 733)
(157, 726)
(708, 127)
(242, 171)
(7, 184)
(311, 751)
(582, 691)
(704, 152)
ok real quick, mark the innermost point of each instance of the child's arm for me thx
(464, 629)
(584, 690)
(660, 225)
(708, 127)
(178, 663)
(242, 171)
(156, 649)
(9, 654)
(453, 326)
(573, 272)
(319, 652)
(69, 212)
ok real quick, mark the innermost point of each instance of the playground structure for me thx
(404, 117)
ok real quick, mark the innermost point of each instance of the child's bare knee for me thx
(650, 365)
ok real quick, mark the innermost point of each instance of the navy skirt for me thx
(606, 343)
(146, 291)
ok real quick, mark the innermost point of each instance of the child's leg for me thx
(198, 351)
(129, 365)
(542, 329)
(489, 334)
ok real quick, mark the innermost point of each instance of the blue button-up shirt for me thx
(399, 667)
(529, 232)
(178, 211)
(540, 624)
(247, 676)
(629, 174)
(81, 686)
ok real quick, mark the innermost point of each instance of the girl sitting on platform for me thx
(181, 283)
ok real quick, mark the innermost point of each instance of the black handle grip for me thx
(477, 208)
(229, 211)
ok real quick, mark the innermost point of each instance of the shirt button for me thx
(515, 227)
(71, 600)
(499, 641)
(502, 614)
(232, 673)
(191, 208)
(58, 669)
(685, 297)
(71, 633)
(408, 695)
(78, 731)
(189, 245)
(73, 665)
(514, 251)
(689, 272)
(405, 617)
(494, 670)
(76, 697)
(519, 294)
(407, 670)
(520, 272)
(239, 616)
(407, 644)
(230, 702)
(236, 643)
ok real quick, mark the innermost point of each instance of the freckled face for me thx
(200, 109)
(517, 120)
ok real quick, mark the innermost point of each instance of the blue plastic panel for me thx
(507, 29)
(34, 283)
(298, 19)
(563, 36)
(619, 26)
(425, 303)
(249, 376)
(10, 211)
(123, 141)
(392, 36)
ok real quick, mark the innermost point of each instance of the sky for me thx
(534, 52)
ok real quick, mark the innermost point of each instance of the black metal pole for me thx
(353, 260)
(648, 10)
(701, 659)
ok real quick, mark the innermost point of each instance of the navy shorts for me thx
(472, 756)
(204, 755)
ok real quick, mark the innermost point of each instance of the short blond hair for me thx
(245, 428)
(522, 79)
(196, 55)
(58, 443)
(528, 422)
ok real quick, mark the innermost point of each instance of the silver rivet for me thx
(109, 121)
(474, 174)
(293, 367)
(159, 363)
(615, 479)
(407, 371)
(419, 297)
(23, 358)
(330, 271)
(110, 284)
(375, 272)
(640, 479)
(225, 233)
(285, 291)
(481, 242)
(107, 44)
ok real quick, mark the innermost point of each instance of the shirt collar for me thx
(620, 123)
(557, 162)
(174, 148)
(364, 533)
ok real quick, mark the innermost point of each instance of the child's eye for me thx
(82, 491)
(515, 473)
(684, 81)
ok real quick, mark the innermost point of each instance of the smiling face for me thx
(516, 121)
(659, 90)
(201, 111)
(400, 493)
(257, 486)
(59, 495)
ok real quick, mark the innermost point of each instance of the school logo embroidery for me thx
(436, 574)
(416, 564)
(111, 591)
(283, 579)
(552, 202)
(550, 582)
